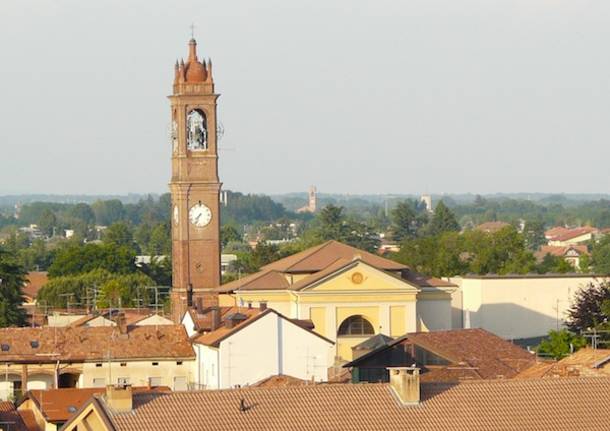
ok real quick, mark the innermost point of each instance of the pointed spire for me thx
(210, 69)
(192, 50)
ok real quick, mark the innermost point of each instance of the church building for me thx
(347, 293)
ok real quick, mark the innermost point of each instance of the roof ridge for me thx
(305, 256)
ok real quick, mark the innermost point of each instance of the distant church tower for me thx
(312, 201)
(194, 185)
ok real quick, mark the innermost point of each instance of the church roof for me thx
(322, 261)
(318, 258)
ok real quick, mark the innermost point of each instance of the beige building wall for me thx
(515, 307)
(139, 373)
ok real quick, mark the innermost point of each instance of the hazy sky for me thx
(353, 96)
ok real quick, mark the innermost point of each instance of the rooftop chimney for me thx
(119, 398)
(215, 318)
(262, 306)
(405, 383)
(121, 322)
(199, 304)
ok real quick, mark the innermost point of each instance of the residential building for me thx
(51, 408)
(84, 357)
(35, 280)
(275, 344)
(401, 404)
(443, 356)
(492, 226)
(11, 420)
(574, 236)
(586, 362)
(570, 253)
(522, 308)
(348, 294)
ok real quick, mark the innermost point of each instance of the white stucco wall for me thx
(516, 307)
(271, 345)
(433, 314)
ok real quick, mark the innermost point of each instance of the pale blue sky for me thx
(353, 96)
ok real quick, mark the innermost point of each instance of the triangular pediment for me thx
(356, 276)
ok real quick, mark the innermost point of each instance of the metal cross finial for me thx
(192, 31)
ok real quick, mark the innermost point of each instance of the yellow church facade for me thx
(348, 294)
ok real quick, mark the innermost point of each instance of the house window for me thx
(155, 381)
(99, 383)
(155, 364)
(179, 363)
(121, 381)
(180, 383)
(356, 325)
(123, 364)
(98, 365)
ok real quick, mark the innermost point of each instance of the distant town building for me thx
(563, 237)
(312, 201)
(570, 253)
(492, 226)
(427, 201)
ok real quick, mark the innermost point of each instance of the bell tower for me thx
(194, 185)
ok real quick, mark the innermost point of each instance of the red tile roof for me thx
(10, 418)
(35, 281)
(94, 343)
(472, 353)
(322, 261)
(492, 226)
(508, 405)
(318, 258)
(574, 233)
(58, 405)
(560, 250)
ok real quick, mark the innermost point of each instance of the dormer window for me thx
(34, 344)
(5, 347)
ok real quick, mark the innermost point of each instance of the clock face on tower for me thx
(200, 215)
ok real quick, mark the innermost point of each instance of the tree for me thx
(12, 279)
(600, 256)
(160, 240)
(81, 288)
(560, 344)
(229, 233)
(534, 234)
(554, 264)
(443, 220)
(108, 212)
(47, 222)
(587, 310)
(405, 221)
(119, 234)
(83, 212)
(74, 258)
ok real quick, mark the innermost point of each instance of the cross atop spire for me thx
(192, 31)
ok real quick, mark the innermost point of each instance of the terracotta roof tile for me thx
(94, 343)
(319, 257)
(540, 404)
(560, 250)
(35, 281)
(492, 226)
(574, 233)
(58, 405)
(10, 418)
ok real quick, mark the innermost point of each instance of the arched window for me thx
(356, 325)
(196, 130)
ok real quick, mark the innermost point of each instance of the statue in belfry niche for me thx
(197, 134)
